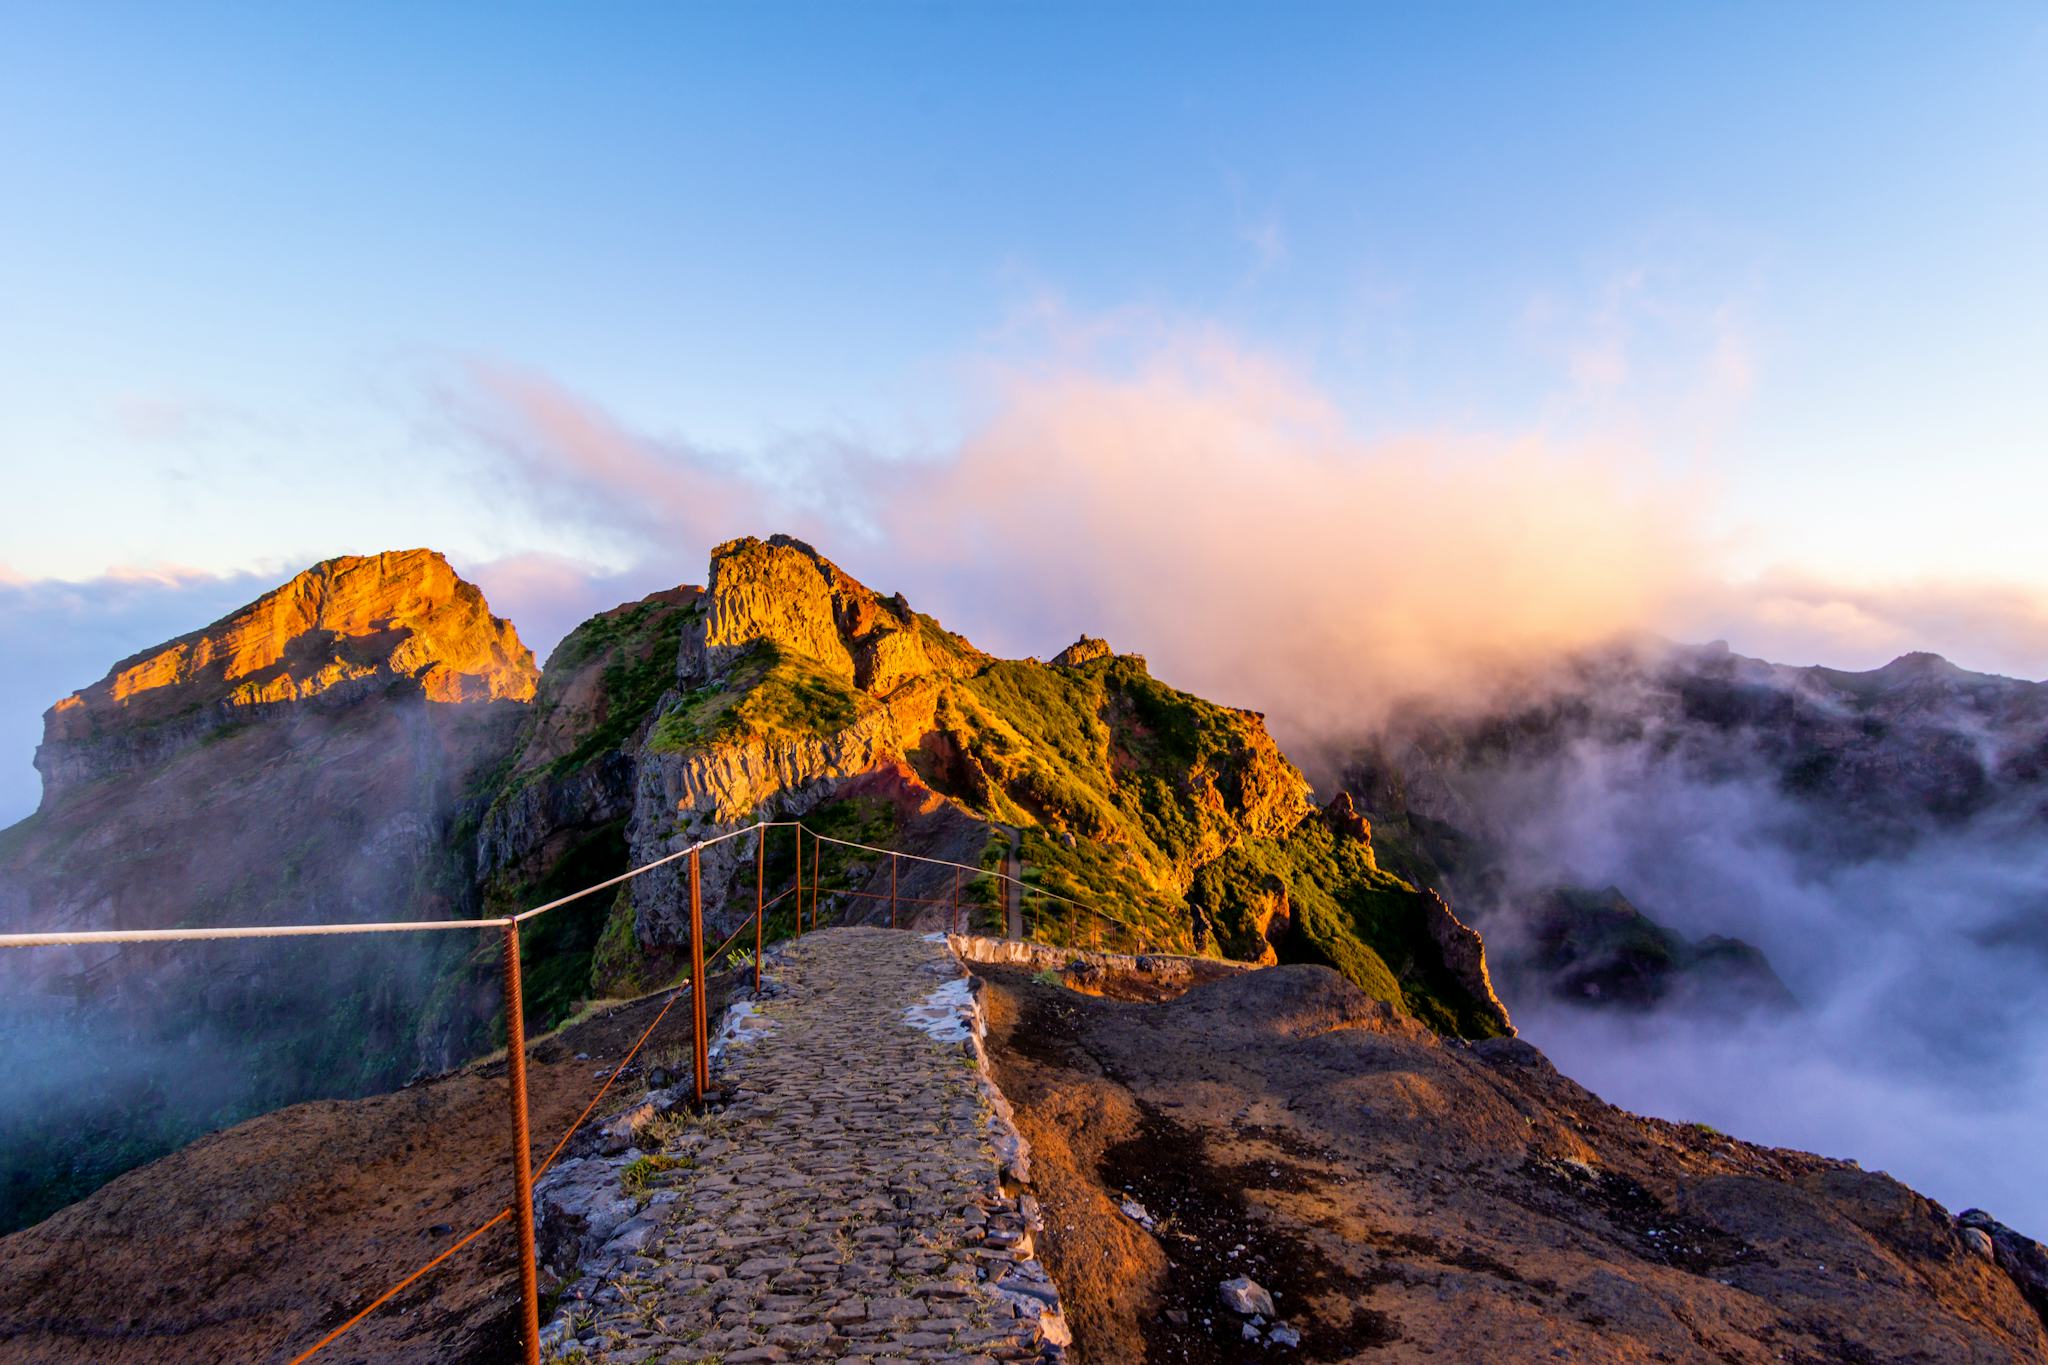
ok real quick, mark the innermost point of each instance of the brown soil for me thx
(1407, 1198)
(252, 1243)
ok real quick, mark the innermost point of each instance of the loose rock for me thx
(1245, 1296)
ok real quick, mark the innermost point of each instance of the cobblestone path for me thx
(848, 1201)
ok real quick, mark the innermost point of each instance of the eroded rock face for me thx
(575, 765)
(1464, 955)
(778, 589)
(782, 592)
(781, 598)
(341, 630)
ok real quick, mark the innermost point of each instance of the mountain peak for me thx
(783, 593)
(1919, 663)
(351, 623)
(1087, 649)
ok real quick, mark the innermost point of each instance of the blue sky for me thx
(1781, 262)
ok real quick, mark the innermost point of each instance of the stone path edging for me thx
(1165, 968)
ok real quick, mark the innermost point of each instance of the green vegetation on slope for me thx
(1346, 912)
(638, 644)
(1156, 780)
(769, 693)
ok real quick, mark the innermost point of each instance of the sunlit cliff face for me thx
(398, 615)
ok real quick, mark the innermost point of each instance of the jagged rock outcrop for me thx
(2018, 1255)
(1464, 957)
(1346, 820)
(782, 592)
(1085, 650)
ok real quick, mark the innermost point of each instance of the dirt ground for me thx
(252, 1243)
(1402, 1197)
(1405, 1198)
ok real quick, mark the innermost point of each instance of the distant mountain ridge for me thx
(1918, 739)
(1849, 767)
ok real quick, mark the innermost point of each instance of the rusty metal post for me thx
(699, 1043)
(522, 1148)
(892, 890)
(798, 889)
(760, 890)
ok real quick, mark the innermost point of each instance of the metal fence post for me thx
(760, 890)
(700, 1043)
(522, 1148)
(892, 890)
(798, 889)
(817, 856)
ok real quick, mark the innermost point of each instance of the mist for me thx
(1915, 946)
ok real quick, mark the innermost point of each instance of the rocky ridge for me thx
(800, 692)
(380, 745)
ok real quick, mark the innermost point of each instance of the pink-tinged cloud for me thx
(1205, 505)
(1213, 510)
(577, 464)
(546, 596)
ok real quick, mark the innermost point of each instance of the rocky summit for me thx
(338, 631)
(788, 688)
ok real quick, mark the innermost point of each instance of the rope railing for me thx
(1028, 888)
(520, 1211)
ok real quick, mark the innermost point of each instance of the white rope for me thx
(79, 936)
(86, 936)
(759, 827)
(526, 915)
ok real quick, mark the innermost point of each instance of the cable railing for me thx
(956, 915)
